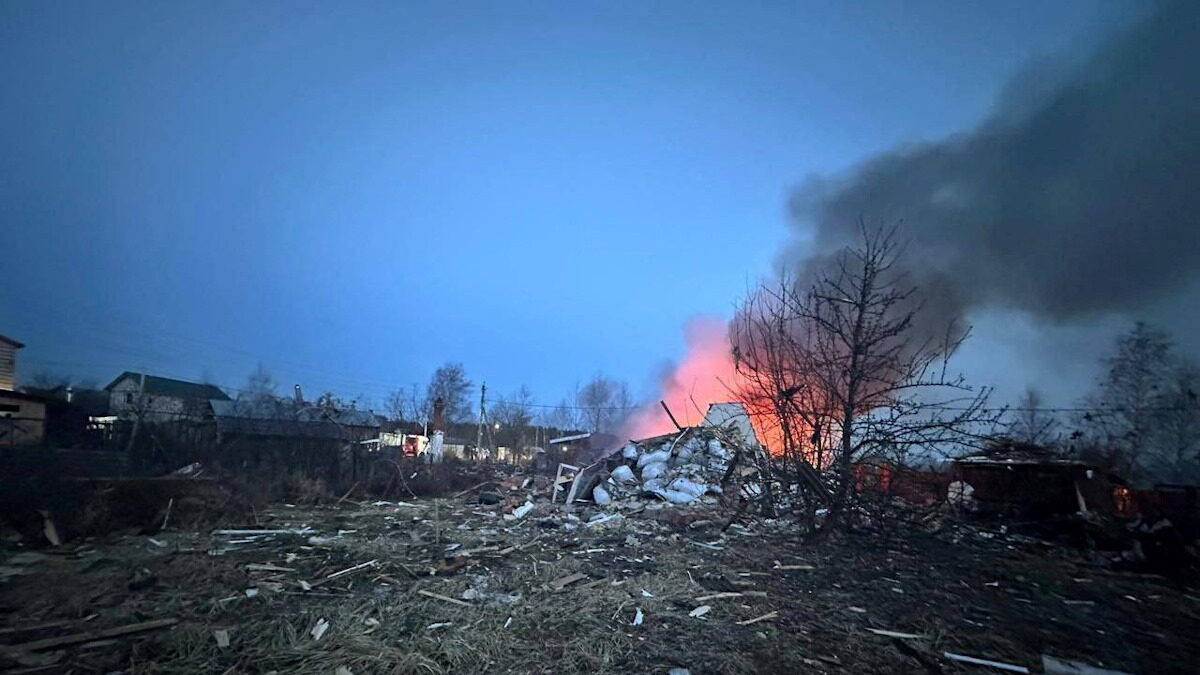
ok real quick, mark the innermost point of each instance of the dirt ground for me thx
(775, 604)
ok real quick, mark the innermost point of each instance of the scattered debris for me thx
(443, 598)
(764, 617)
(563, 582)
(92, 636)
(786, 568)
(142, 579)
(720, 596)
(49, 530)
(898, 634)
(603, 560)
(450, 565)
(520, 511)
(262, 567)
(985, 662)
(1055, 666)
(351, 570)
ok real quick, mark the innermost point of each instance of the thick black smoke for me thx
(1073, 199)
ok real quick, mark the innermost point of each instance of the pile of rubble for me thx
(694, 465)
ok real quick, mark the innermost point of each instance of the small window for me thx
(129, 397)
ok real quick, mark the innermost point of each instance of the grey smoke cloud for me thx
(1078, 196)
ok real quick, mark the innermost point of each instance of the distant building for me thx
(8, 363)
(22, 416)
(456, 447)
(22, 419)
(161, 399)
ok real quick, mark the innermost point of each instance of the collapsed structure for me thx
(695, 464)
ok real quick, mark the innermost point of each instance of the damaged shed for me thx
(1035, 487)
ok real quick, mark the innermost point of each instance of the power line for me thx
(1101, 410)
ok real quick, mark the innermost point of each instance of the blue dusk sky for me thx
(352, 193)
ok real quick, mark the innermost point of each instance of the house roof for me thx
(1020, 461)
(8, 393)
(15, 343)
(165, 386)
(278, 417)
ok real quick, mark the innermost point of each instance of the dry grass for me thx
(517, 625)
(382, 628)
(381, 623)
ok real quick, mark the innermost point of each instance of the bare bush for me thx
(844, 371)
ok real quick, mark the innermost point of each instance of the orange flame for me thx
(706, 375)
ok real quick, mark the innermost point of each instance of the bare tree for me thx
(331, 402)
(260, 384)
(514, 416)
(564, 416)
(603, 404)
(847, 369)
(772, 357)
(407, 404)
(1031, 423)
(450, 383)
(1142, 419)
(1178, 459)
(44, 380)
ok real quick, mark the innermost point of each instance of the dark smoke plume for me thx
(1075, 198)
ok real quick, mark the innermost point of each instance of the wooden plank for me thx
(93, 635)
(719, 596)
(32, 628)
(563, 582)
(443, 598)
(764, 617)
(341, 573)
(263, 567)
(1000, 665)
(897, 634)
(471, 489)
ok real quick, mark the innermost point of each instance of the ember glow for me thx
(706, 375)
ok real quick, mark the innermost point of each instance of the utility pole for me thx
(482, 417)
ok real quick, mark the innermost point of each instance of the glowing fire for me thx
(706, 375)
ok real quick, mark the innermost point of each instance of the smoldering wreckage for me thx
(654, 555)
